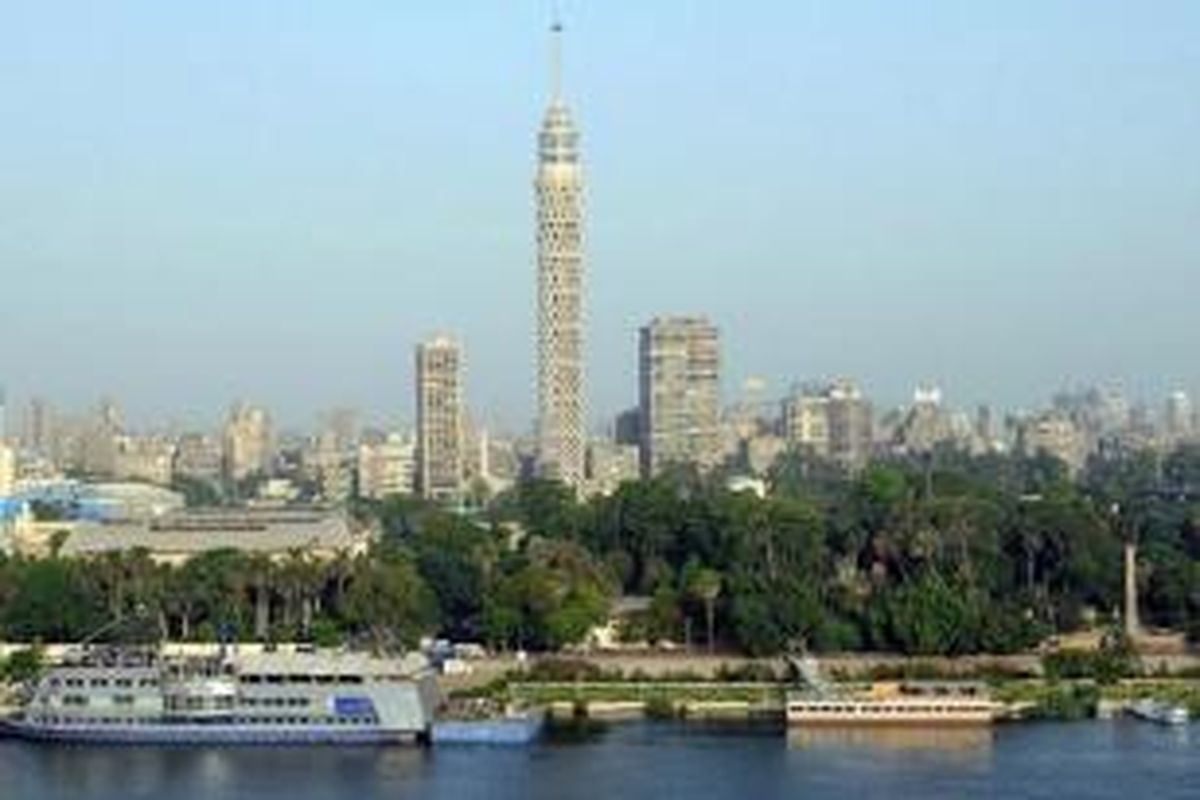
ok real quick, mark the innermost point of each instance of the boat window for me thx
(274, 679)
(123, 700)
(251, 679)
(99, 681)
(148, 682)
(124, 683)
(300, 678)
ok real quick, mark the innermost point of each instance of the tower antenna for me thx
(556, 30)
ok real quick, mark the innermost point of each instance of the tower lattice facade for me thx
(559, 187)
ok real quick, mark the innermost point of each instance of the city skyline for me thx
(302, 322)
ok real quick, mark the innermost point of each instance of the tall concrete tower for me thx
(440, 419)
(680, 393)
(559, 186)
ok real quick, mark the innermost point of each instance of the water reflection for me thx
(947, 739)
(157, 772)
(645, 761)
(1132, 732)
(575, 730)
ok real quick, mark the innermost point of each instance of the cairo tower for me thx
(559, 184)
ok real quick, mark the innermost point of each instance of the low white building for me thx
(277, 534)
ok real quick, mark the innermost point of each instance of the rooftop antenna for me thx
(556, 30)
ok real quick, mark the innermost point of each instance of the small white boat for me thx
(1159, 712)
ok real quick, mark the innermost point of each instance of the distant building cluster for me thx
(101, 470)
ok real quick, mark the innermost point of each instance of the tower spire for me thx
(556, 30)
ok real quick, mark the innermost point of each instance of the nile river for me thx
(1122, 759)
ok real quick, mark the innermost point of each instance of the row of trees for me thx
(222, 594)
(946, 554)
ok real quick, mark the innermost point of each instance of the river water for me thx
(1122, 759)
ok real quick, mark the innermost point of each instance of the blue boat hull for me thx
(519, 731)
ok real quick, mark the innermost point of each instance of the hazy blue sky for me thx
(275, 200)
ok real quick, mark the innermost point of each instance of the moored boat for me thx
(1160, 712)
(894, 704)
(512, 729)
(143, 696)
(820, 703)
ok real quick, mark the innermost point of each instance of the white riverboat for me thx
(143, 696)
(895, 704)
(949, 704)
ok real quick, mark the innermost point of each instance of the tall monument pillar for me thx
(559, 187)
(1132, 625)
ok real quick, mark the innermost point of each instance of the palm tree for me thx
(339, 572)
(301, 581)
(705, 585)
(110, 575)
(262, 580)
(145, 581)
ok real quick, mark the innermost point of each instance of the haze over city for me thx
(237, 199)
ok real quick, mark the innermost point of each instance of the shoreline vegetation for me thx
(942, 555)
(756, 690)
(1070, 686)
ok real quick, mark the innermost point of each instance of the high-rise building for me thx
(679, 378)
(925, 425)
(343, 423)
(198, 456)
(561, 446)
(246, 444)
(834, 421)
(440, 429)
(98, 445)
(37, 434)
(983, 431)
(386, 466)
(851, 425)
(1180, 417)
(8, 470)
(143, 458)
(806, 420)
(627, 427)
(1055, 434)
(325, 463)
